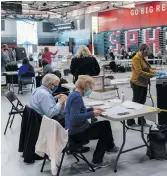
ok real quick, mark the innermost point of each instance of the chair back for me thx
(13, 99)
(10, 96)
(28, 75)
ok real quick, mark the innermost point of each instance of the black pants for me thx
(38, 81)
(101, 131)
(139, 96)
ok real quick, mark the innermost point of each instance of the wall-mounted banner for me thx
(145, 15)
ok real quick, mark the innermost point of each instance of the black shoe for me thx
(113, 150)
(99, 165)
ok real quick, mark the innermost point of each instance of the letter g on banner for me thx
(132, 12)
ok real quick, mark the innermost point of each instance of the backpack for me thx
(113, 66)
(157, 143)
(121, 69)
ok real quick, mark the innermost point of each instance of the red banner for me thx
(144, 15)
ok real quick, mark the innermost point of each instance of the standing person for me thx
(141, 74)
(84, 63)
(40, 57)
(47, 55)
(159, 53)
(123, 52)
(4, 60)
(79, 128)
(7, 52)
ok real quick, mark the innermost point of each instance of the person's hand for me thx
(162, 74)
(40, 70)
(59, 96)
(62, 99)
(96, 113)
(100, 109)
(156, 75)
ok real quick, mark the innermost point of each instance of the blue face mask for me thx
(54, 90)
(87, 92)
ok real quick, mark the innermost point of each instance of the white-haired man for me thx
(44, 103)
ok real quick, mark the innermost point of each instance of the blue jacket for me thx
(76, 114)
(24, 69)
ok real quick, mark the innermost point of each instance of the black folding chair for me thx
(75, 149)
(26, 79)
(17, 108)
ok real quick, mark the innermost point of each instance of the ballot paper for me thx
(94, 103)
(117, 110)
(133, 105)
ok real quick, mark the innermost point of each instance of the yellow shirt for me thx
(141, 71)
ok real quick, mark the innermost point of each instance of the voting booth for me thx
(101, 93)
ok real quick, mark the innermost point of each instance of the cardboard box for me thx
(103, 94)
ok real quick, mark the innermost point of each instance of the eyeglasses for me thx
(54, 85)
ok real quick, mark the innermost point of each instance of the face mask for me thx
(87, 92)
(54, 90)
(145, 53)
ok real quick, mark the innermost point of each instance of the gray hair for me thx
(49, 78)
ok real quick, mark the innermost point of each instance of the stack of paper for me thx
(94, 103)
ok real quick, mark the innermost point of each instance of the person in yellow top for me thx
(141, 74)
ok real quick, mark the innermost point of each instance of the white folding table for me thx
(135, 113)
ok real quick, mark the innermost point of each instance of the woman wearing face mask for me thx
(141, 74)
(79, 128)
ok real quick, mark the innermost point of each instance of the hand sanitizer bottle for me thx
(122, 97)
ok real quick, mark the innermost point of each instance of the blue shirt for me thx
(44, 103)
(25, 69)
(76, 114)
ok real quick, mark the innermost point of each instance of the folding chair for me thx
(75, 149)
(25, 79)
(15, 108)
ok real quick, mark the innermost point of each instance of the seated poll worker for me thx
(141, 74)
(76, 121)
(44, 103)
(46, 67)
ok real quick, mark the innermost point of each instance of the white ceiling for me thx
(65, 9)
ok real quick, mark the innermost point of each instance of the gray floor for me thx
(130, 164)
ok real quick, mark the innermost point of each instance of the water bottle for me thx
(122, 97)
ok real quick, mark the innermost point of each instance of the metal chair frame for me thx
(15, 108)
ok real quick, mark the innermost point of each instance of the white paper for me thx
(129, 104)
(105, 106)
(118, 109)
(94, 103)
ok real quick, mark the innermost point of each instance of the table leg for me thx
(150, 96)
(142, 133)
(121, 149)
